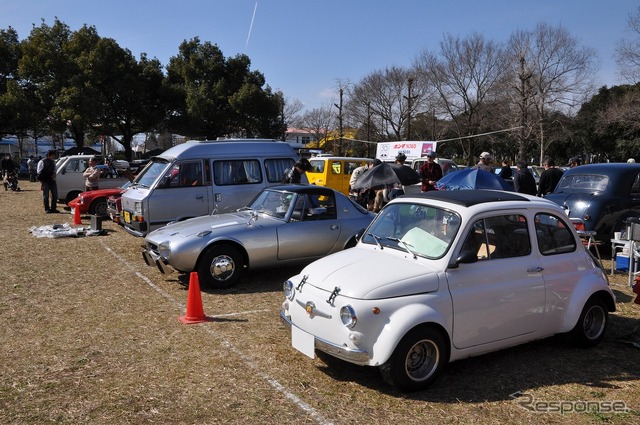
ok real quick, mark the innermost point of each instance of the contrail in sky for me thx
(251, 26)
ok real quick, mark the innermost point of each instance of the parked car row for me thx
(431, 279)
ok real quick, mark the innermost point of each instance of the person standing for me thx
(574, 162)
(485, 162)
(7, 165)
(505, 171)
(430, 172)
(32, 166)
(523, 181)
(91, 175)
(47, 171)
(355, 175)
(294, 175)
(549, 178)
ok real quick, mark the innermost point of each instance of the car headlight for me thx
(348, 316)
(137, 207)
(288, 288)
(164, 249)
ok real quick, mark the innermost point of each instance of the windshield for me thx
(273, 203)
(583, 183)
(151, 172)
(421, 230)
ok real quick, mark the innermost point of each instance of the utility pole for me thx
(409, 106)
(340, 135)
(368, 128)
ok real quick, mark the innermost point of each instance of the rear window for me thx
(583, 182)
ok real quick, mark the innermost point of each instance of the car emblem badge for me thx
(309, 307)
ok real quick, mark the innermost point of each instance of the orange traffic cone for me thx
(76, 215)
(195, 311)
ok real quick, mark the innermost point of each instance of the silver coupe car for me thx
(283, 225)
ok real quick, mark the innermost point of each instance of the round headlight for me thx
(164, 249)
(287, 287)
(348, 316)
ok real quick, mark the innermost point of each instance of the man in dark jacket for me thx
(47, 176)
(523, 181)
(549, 178)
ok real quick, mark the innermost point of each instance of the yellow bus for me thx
(334, 171)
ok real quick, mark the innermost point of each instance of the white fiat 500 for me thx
(441, 276)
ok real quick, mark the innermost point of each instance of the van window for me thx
(350, 166)
(184, 174)
(317, 165)
(276, 167)
(76, 165)
(230, 172)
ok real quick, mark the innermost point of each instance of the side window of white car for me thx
(554, 237)
(503, 236)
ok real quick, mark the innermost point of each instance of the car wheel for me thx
(592, 324)
(220, 266)
(71, 196)
(417, 360)
(99, 207)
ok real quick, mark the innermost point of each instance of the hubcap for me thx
(594, 322)
(422, 360)
(222, 267)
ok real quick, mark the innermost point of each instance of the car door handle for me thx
(334, 227)
(199, 196)
(535, 269)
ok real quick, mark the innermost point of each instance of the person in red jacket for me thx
(430, 172)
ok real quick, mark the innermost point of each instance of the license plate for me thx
(303, 341)
(127, 216)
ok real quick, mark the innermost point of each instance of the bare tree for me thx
(291, 112)
(320, 122)
(467, 75)
(559, 71)
(390, 97)
(628, 51)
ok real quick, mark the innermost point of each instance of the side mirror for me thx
(465, 257)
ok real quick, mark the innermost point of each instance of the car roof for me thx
(468, 198)
(304, 188)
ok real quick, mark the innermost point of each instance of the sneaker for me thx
(54, 211)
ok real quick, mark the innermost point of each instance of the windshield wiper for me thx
(405, 246)
(377, 239)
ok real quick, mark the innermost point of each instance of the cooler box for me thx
(622, 262)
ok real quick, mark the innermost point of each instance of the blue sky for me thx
(305, 48)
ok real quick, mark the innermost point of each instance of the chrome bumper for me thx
(353, 356)
(153, 259)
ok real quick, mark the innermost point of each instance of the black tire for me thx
(417, 360)
(220, 267)
(592, 324)
(99, 207)
(71, 196)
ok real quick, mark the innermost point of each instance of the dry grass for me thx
(90, 335)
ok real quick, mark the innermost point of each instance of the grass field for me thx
(90, 335)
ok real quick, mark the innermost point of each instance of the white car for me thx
(445, 275)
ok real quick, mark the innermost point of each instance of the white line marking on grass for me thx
(248, 360)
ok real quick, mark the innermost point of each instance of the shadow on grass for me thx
(495, 376)
(254, 281)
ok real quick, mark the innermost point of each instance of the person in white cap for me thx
(485, 160)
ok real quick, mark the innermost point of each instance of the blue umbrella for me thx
(472, 178)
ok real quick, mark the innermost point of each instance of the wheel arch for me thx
(575, 308)
(235, 244)
(402, 322)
